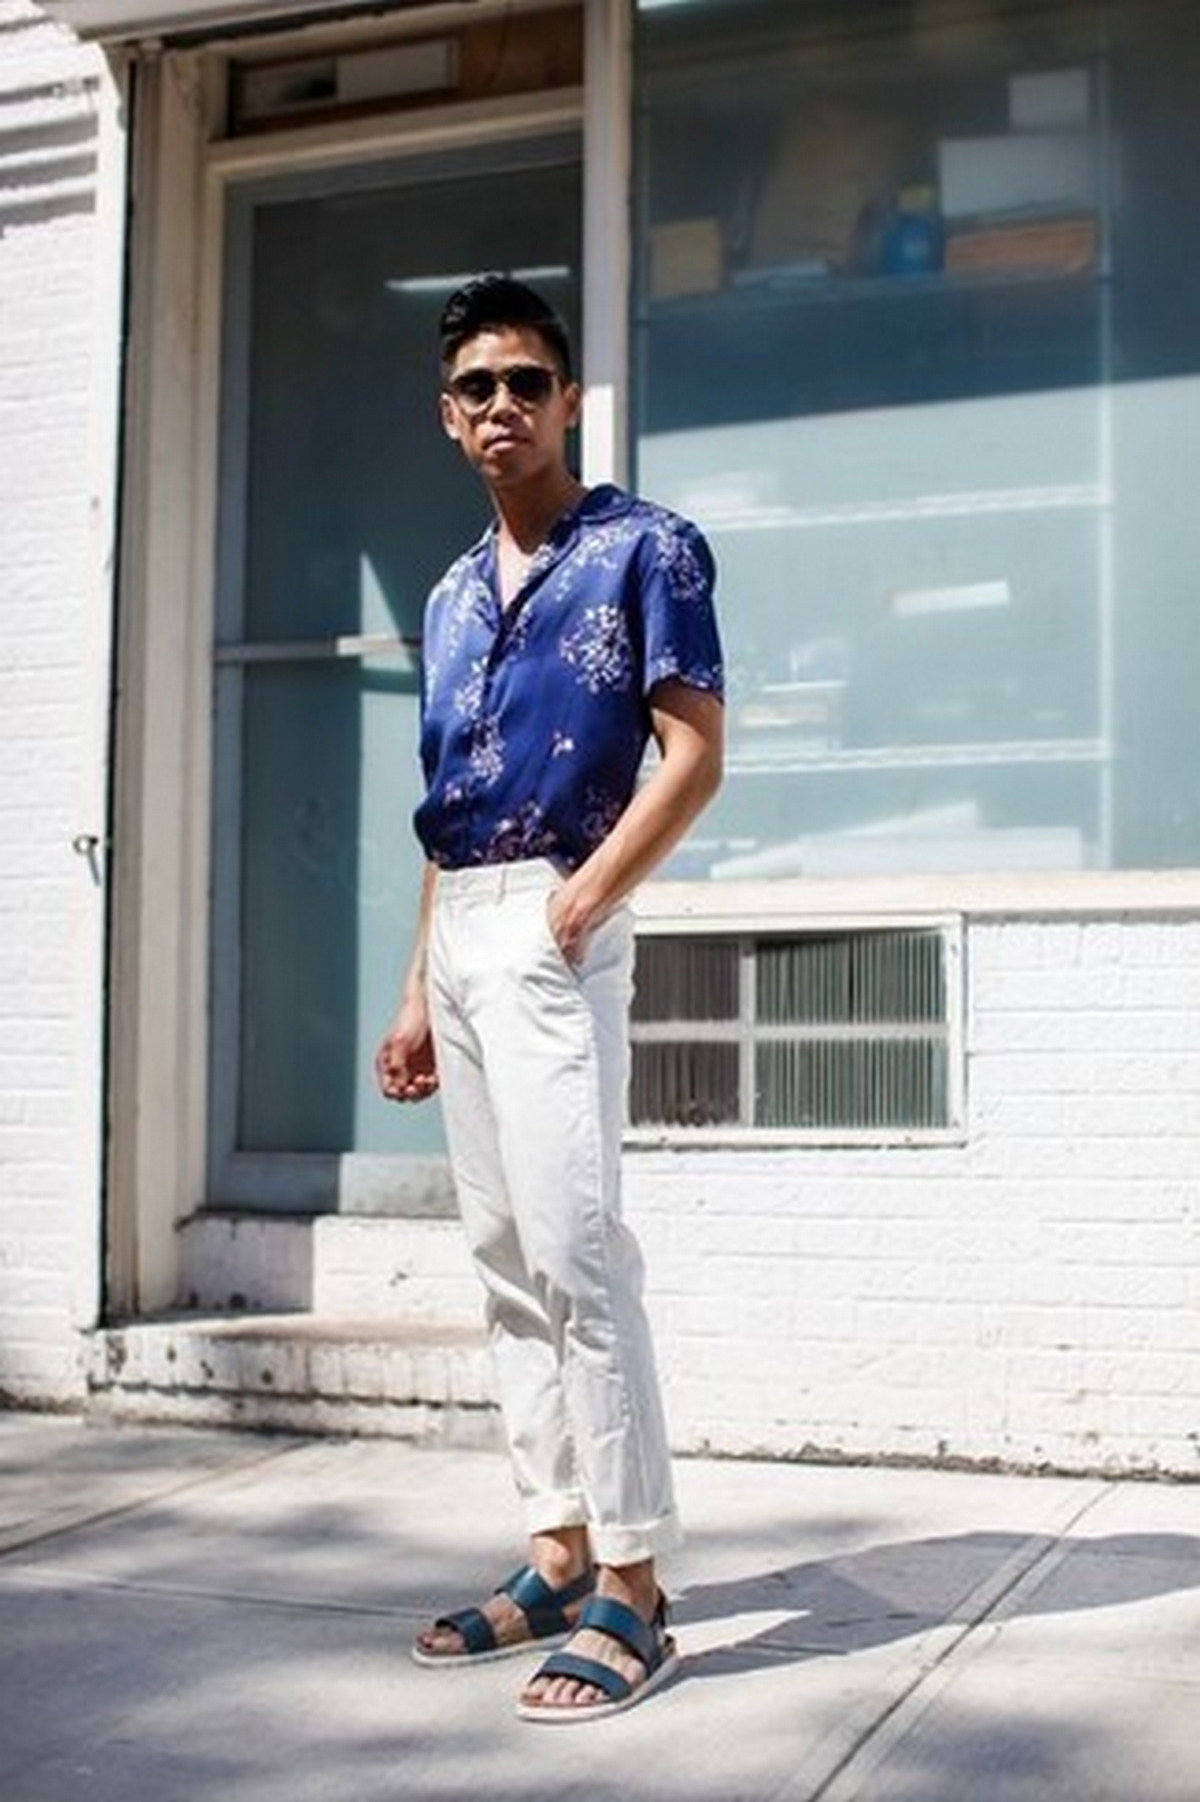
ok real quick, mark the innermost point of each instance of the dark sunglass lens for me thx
(530, 383)
(475, 387)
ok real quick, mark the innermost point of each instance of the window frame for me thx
(181, 167)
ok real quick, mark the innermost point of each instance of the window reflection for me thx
(911, 344)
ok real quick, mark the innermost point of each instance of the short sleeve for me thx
(681, 638)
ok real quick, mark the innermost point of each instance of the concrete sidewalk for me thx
(187, 1616)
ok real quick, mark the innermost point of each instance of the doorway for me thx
(340, 502)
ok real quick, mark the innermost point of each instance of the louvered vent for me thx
(829, 1033)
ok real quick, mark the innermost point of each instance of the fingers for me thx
(406, 1085)
(404, 1078)
(416, 1088)
(570, 937)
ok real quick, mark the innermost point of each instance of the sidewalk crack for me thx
(1026, 1567)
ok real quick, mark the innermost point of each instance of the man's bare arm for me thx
(689, 728)
(405, 1066)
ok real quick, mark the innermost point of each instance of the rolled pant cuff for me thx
(550, 1513)
(610, 1545)
(633, 1545)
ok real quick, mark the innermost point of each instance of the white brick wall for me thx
(47, 112)
(1031, 1297)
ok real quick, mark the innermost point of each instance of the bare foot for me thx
(637, 1587)
(558, 1558)
(507, 1622)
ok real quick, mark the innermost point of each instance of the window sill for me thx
(789, 901)
(766, 1138)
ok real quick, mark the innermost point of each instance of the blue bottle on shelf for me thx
(913, 240)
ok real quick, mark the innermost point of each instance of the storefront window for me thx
(916, 338)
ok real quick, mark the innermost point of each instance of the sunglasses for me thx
(529, 384)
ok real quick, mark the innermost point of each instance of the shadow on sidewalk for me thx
(832, 1606)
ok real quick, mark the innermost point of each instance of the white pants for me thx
(533, 1059)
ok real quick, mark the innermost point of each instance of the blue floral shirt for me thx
(535, 719)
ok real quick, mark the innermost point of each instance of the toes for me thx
(563, 1692)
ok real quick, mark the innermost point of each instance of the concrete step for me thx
(344, 1265)
(426, 1380)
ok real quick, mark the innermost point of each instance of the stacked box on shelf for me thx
(1067, 245)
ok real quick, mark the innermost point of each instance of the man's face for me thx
(509, 433)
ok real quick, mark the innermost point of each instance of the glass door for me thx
(341, 502)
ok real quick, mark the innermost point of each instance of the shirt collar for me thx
(604, 502)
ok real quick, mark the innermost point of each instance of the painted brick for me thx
(46, 273)
(1030, 1295)
(379, 1268)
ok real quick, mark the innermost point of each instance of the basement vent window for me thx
(834, 1036)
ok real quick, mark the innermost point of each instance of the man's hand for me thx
(405, 1065)
(570, 924)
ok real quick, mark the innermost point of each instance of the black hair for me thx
(491, 302)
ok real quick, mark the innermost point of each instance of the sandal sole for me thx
(598, 1711)
(455, 1661)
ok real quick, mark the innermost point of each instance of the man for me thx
(578, 627)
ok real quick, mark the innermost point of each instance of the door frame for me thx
(181, 174)
(92, 819)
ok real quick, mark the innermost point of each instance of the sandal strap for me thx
(478, 1634)
(589, 1671)
(545, 1608)
(619, 1622)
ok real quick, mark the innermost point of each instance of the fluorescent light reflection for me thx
(543, 273)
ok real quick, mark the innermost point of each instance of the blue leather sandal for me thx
(652, 1645)
(545, 1618)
